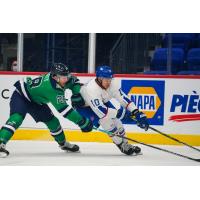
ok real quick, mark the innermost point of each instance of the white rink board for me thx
(172, 86)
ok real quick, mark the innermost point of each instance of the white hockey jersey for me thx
(96, 97)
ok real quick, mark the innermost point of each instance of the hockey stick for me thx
(148, 145)
(172, 138)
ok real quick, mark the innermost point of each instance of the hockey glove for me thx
(77, 100)
(85, 125)
(141, 119)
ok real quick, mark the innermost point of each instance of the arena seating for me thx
(185, 55)
(159, 61)
(193, 59)
(180, 40)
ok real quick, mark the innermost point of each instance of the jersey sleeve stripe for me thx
(24, 91)
(109, 104)
(121, 113)
(67, 113)
(102, 109)
(64, 111)
(127, 100)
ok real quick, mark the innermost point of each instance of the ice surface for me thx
(104, 154)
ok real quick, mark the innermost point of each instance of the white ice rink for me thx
(104, 154)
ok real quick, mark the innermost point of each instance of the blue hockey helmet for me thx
(104, 72)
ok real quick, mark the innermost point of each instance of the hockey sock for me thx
(10, 127)
(56, 130)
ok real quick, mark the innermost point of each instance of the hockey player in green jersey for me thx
(32, 95)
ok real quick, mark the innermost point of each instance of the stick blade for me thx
(198, 160)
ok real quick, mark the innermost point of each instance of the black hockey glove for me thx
(77, 100)
(85, 125)
(141, 119)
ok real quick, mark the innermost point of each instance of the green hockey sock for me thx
(10, 127)
(56, 130)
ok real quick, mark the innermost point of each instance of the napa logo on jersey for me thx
(148, 96)
(185, 107)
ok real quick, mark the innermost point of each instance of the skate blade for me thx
(68, 151)
(137, 154)
(3, 155)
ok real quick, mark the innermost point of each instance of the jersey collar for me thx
(54, 84)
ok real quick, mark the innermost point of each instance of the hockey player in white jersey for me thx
(97, 94)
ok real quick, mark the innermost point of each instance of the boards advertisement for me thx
(171, 103)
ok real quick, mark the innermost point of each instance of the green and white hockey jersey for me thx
(44, 89)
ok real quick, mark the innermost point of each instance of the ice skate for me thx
(3, 152)
(66, 146)
(129, 149)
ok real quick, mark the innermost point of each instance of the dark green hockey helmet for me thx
(59, 69)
